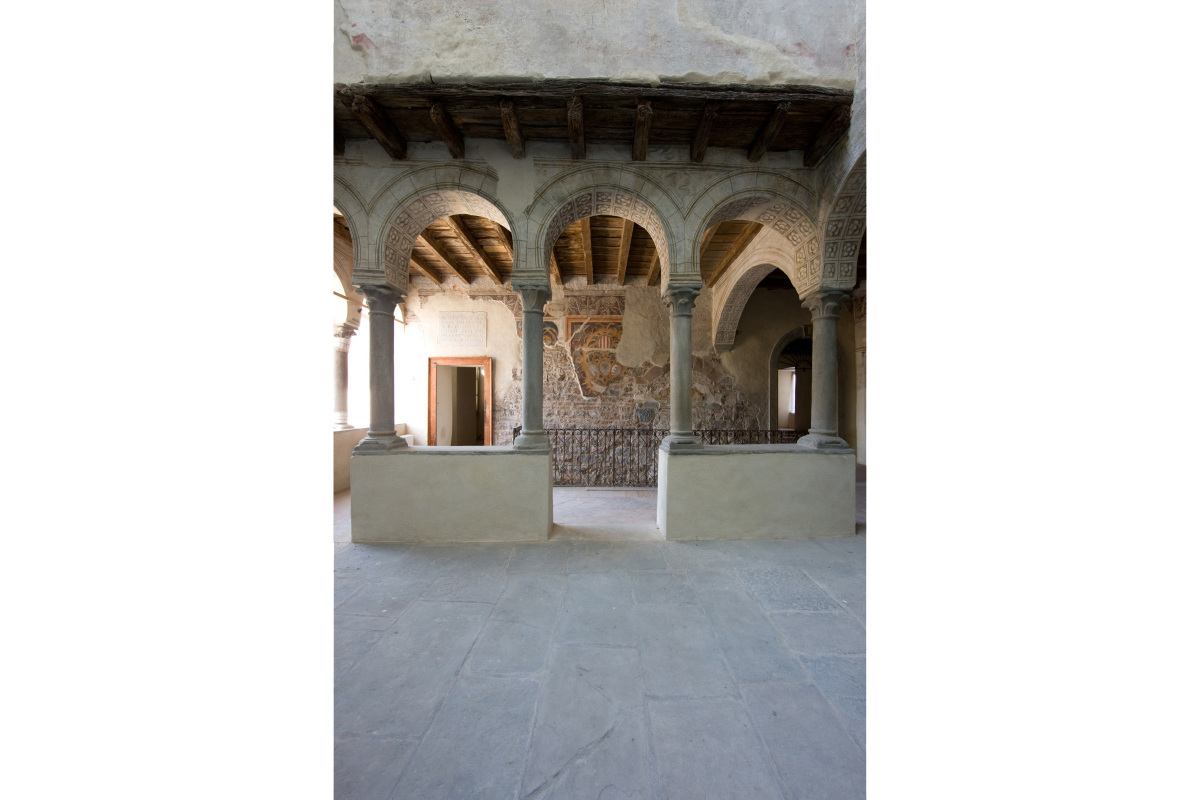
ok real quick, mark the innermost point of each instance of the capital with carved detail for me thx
(681, 299)
(825, 303)
(380, 299)
(533, 296)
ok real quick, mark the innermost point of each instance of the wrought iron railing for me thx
(629, 456)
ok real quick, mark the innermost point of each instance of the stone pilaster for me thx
(824, 306)
(381, 435)
(533, 435)
(681, 299)
(341, 374)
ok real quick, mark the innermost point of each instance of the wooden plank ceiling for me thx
(755, 120)
(599, 250)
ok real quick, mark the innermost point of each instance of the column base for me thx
(825, 442)
(381, 445)
(677, 442)
(538, 442)
(343, 426)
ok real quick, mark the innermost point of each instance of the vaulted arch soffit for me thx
(605, 190)
(787, 227)
(843, 222)
(733, 290)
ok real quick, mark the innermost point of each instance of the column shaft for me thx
(341, 375)
(681, 299)
(381, 435)
(824, 306)
(533, 436)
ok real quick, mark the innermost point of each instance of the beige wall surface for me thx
(460, 494)
(695, 41)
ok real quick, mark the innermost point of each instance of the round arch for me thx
(787, 228)
(617, 192)
(415, 213)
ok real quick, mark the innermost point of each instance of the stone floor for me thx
(599, 664)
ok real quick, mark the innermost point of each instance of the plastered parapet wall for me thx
(811, 42)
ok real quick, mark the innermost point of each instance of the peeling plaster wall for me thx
(696, 41)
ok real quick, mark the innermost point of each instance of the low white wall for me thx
(755, 492)
(343, 446)
(451, 494)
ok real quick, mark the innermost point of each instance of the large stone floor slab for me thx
(600, 666)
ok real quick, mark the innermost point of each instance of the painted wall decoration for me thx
(549, 334)
(593, 344)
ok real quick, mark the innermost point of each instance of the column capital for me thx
(533, 295)
(681, 299)
(344, 330)
(825, 303)
(380, 299)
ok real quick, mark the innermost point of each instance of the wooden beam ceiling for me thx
(447, 130)
(377, 123)
(445, 255)
(834, 126)
(339, 141)
(768, 132)
(704, 131)
(575, 127)
(739, 244)
(652, 277)
(479, 254)
(756, 120)
(512, 128)
(585, 241)
(641, 129)
(623, 253)
(428, 272)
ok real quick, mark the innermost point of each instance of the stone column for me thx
(824, 306)
(381, 436)
(341, 374)
(681, 299)
(860, 369)
(533, 435)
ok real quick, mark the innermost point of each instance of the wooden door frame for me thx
(457, 361)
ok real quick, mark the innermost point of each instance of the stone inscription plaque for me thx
(462, 329)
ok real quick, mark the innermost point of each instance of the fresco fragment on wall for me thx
(593, 344)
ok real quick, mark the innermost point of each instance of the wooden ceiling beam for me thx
(512, 128)
(339, 141)
(768, 132)
(641, 129)
(585, 235)
(575, 127)
(445, 255)
(739, 244)
(428, 272)
(474, 249)
(603, 89)
(447, 130)
(555, 272)
(653, 275)
(704, 240)
(704, 131)
(831, 130)
(623, 253)
(377, 123)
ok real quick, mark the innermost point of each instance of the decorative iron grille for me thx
(629, 456)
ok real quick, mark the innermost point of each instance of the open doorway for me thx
(791, 382)
(460, 408)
